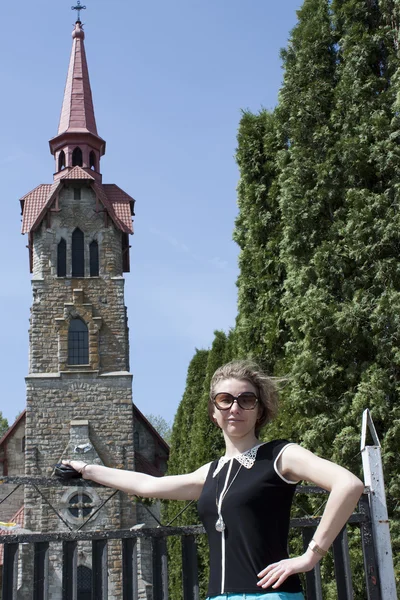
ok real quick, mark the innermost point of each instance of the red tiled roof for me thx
(77, 113)
(121, 203)
(77, 173)
(17, 518)
(114, 200)
(32, 204)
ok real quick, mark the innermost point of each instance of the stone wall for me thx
(86, 405)
(13, 462)
(88, 215)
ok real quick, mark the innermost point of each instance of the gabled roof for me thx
(116, 202)
(33, 203)
(13, 427)
(120, 203)
(77, 173)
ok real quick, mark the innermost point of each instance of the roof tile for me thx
(34, 202)
(77, 173)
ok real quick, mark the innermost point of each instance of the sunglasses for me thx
(246, 400)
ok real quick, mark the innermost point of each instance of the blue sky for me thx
(169, 81)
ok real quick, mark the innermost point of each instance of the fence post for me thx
(10, 571)
(373, 478)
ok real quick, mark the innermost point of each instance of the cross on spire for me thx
(78, 7)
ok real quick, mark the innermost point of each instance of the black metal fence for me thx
(41, 543)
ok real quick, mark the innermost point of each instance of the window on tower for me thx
(61, 160)
(94, 259)
(62, 258)
(125, 253)
(78, 343)
(84, 583)
(92, 161)
(78, 253)
(77, 160)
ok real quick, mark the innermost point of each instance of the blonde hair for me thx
(247, 370)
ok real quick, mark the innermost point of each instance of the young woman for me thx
(244, 498)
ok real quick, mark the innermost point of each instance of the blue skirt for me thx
(261, 596)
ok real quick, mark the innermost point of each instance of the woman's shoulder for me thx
(275, 447)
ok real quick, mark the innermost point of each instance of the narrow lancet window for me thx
(78, 343)
(84, 580)
(77, 160)
(92, 161)
(125, 253)
(94, 259)
(61, 160)
(62, 258)
(78, 253)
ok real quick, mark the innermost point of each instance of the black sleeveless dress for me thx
(256, 512)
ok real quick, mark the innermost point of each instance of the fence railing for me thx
(42, 544)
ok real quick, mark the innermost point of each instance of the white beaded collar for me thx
(246, 459)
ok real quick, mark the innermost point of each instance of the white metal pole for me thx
(373, 478)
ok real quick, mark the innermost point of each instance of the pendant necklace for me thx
(220, 525)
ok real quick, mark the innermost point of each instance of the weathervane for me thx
(78, 7)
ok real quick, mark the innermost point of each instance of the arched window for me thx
(84, 583)
(78, 253)
(92, 161)
(94, 259)
(62, 258)
(77, 157)
(61, 160)
(78, 343)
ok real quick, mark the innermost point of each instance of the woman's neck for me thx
(235, 446)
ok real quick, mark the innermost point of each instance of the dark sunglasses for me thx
(246, 400)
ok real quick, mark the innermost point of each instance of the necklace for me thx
(220, 524)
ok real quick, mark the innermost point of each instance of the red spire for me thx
(77, 131)
(77, 112)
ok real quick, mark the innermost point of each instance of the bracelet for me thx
(83, 468)
(317, 549)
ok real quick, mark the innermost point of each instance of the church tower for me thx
(79, 389)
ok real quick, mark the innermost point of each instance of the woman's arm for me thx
(297, 463)
(172, 487)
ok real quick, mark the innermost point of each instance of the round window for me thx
(80, 505)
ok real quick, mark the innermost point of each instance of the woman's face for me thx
(235, 421)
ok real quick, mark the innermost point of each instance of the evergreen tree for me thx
(195, 441)
(318, 230)
(337, 233)
(259, 328)
(180, 448)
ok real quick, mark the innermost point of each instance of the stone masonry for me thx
(78, 405)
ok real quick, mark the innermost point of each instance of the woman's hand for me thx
(276, 573)
(78, 465)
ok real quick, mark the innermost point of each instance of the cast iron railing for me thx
(99, 541)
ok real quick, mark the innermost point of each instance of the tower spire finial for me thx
(78, 7)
